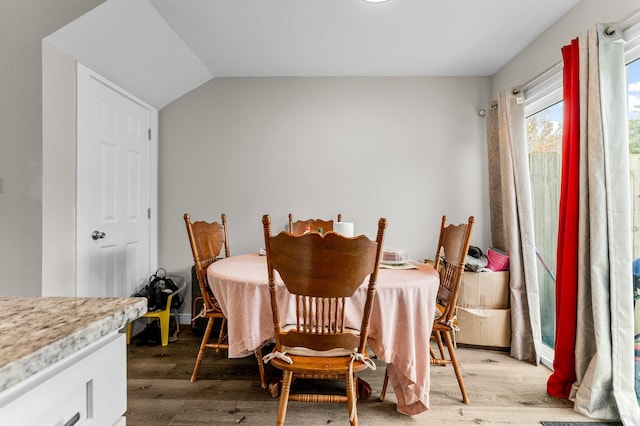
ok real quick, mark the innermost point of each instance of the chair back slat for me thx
(325, 314)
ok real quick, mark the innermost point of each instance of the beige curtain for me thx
(512, 218)
(604, 387)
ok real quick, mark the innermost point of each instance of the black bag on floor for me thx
(157, 292)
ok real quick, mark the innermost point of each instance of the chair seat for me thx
(439, 311)
(311, 352)
(301, 351)
(215, 312)
(442, 326)
(313, 364)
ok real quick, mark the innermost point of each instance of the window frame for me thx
(539, 97)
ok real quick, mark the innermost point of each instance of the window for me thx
(543, 108)
(544, 141)
(633, 96)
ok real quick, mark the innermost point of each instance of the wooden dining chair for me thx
(450, 258)
(311, 225)
(322, 273)
(207, 240)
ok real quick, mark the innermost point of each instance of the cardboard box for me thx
(488, 290)
(484, 327)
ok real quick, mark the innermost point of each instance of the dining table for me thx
(399, 329)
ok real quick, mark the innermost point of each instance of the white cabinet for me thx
(88, 387)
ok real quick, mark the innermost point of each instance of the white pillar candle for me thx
(344, 228)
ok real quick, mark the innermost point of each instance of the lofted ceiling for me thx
(162, 49)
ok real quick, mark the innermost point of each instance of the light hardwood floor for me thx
(502, 391)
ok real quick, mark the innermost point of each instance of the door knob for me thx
(97, 235)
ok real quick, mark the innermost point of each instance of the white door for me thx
(113, 206)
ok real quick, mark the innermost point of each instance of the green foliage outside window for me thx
(543, 134)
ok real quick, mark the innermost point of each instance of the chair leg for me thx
(203, 346)
(432, 353)
(284, 397)
(164, 328)
(440, 346)
(177, 323)
(263, 382)
(363, 389)
(222, 333)
(274, 387)
(456, 366)
(352, 399)
(383, 392)
(129, 325)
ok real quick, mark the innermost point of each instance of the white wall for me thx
(545, 51)
(58, 172)
(23, 24)
(408, 149)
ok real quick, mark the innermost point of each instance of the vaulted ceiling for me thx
(162, 49)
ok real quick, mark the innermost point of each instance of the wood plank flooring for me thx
(502, 391)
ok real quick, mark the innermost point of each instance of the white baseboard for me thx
(184, 318)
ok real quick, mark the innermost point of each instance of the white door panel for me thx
(113, 189)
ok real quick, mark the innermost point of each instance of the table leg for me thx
(274, 387)
(364, 389)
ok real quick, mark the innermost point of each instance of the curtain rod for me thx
(542, 76)
(623, 24)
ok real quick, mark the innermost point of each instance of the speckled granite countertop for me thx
(36, 332)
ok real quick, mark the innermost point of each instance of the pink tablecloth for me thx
(399, 330)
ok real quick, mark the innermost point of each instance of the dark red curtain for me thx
(563, 376)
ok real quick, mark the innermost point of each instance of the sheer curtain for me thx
(512, 218)
(594, 324)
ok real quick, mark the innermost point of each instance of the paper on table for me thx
(398, 266)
